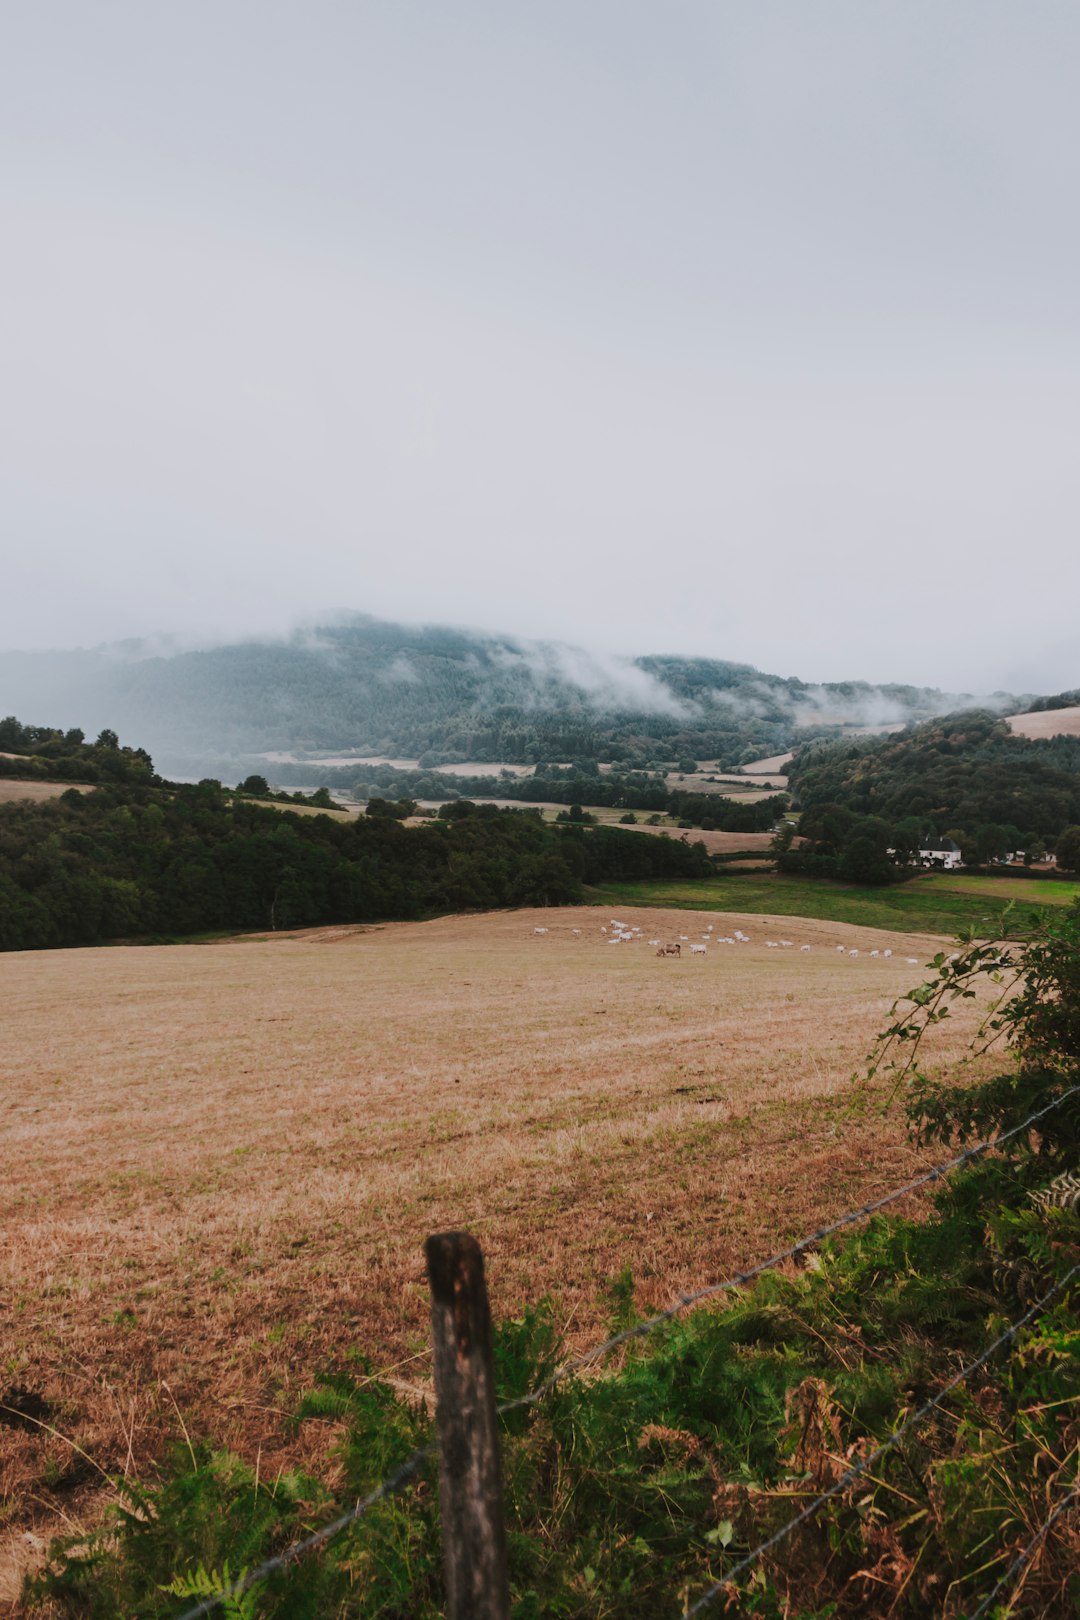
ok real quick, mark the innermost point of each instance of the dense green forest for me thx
(870, 803)
(959, 773)
(131, 861)
(439, 695)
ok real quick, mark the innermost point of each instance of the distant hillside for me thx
(957, 774)
(441, 695)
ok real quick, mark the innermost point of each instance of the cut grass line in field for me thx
(916, 907)
(1025, 891)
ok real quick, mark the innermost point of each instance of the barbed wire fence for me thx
(1026, 1554)
(864, 1464)
(409, 1470)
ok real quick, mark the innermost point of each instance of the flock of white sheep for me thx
(620, 933)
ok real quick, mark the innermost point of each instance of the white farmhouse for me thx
(940, 852)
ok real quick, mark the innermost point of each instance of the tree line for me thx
(46, 753)
(129, 861)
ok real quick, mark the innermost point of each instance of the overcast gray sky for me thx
(742, 329)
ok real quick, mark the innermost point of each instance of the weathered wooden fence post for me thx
(470, 1484)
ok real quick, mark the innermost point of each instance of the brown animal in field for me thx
(670, 950)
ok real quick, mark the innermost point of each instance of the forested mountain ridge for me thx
(959, 772)
(441, 695)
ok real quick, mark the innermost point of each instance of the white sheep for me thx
(853, 953)
(539, 930)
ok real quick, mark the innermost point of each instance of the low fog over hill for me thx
(364, 686)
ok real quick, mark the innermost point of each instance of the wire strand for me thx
(1024, 1557)
(740, 1278)
(408, 1470)
(857, 1469)
(390, 1486)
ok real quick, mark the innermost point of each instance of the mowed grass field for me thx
(1024, 891)
(936, 902)
(222, 1160)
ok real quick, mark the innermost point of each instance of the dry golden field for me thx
(222, 1160)
(774, 763)
(339, 813)
(717, 843)
(37, 791)
(1046, 723)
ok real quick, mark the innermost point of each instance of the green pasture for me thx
(924, 905)
(1027, 890)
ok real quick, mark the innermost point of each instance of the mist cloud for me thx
(607, 682)
(764, 348)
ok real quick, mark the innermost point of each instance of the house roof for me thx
(940, 846)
